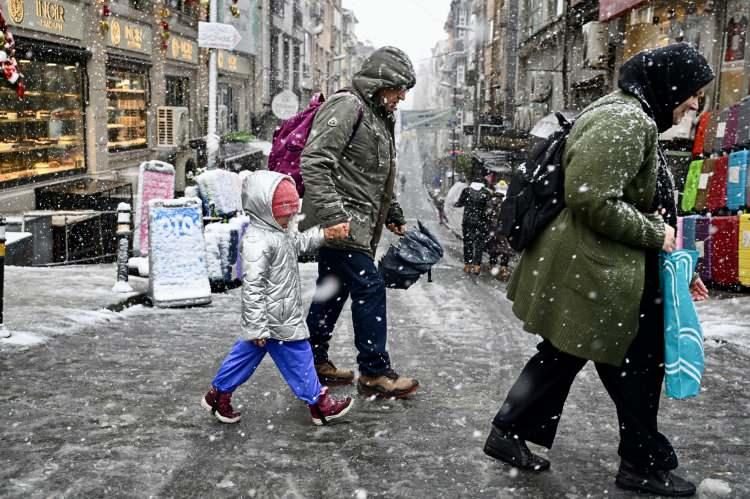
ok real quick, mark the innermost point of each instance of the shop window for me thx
(126, 109)
(534, 15)
(178, 91)
(186, 7)
(43, 134)
(141, 5)
(227, 110)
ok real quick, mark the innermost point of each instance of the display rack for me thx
(126, 124)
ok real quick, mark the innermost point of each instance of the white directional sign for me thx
(218, 36)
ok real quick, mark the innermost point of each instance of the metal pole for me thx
(4, 333)
(212, 140)
(453, 142)
(123, 247)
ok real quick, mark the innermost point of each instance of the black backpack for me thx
(414, 254)
(536, 191)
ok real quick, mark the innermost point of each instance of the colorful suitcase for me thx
(725, 250)
(700, 134)
(744, 250)
(737, 179)
(691, 186)
(717, 187)
(679, 235)
(721, 130)
(707, 170)
(688, 231)
(710, 138)
(704, 245)
(730, 134)
(742, 140)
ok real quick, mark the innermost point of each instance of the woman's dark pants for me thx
(534, 405)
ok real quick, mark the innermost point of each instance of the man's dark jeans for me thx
(343, 274)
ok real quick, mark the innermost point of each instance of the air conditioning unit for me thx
(173, 129)
(595, 45)
(541, 86)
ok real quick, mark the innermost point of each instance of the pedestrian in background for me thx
(497, 246)
(349, 175)
(272, 313)
(474, 199)
(589, 284)
(440, 206)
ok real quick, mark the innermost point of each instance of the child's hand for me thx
(260, 343)
(339, 231)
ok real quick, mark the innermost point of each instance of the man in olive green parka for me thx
(349, 167)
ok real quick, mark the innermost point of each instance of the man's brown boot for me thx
(387, 385)
(503, 274)
(467, 268)
(476, 269)
(330, 375)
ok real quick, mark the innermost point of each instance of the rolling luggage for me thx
(721, 130)
(744, 250)
(688, 231)
(707, 170)
(710, 138)
(716, 198)
(691, 186)
(737, 179)
(725, 250)
(730, 134)
(742, 139)
(704, 245)
(700, 134)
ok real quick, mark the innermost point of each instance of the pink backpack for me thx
(290, 137)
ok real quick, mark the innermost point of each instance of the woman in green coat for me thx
(589, 284)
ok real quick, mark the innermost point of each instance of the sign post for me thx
(213, 35)
(285, 104)
(178, 275)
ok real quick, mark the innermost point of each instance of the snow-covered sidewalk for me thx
(41, 302)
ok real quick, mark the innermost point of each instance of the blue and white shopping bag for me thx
(683, 336)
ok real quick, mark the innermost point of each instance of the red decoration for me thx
(8, 57)
(165, 14)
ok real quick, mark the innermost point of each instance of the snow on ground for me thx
(726, 319)
(42, 302)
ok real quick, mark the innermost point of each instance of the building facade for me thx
(516, 61)
(100, 111)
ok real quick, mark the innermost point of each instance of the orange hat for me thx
(285, 199)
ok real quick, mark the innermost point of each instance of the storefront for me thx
(735, 71)
(234, 92)
(127, 85)
(661, 22)
(181, 77)
(42, 136)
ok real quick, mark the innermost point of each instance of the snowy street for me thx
(114, 409)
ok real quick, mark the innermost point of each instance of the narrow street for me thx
(115, 411)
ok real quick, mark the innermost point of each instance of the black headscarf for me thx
(664, 78)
